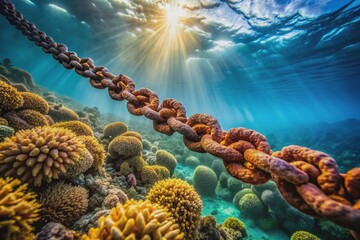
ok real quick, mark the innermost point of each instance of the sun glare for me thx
(173, 15)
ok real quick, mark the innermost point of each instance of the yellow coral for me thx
(125, 169)
(63, 203)
(115, 129)
(34, 102)
(181, 199)
(136, 220)
(125, 147)
(10, 98)
(60, 114)
(136, 162)
(303, 235)
(82, 165)
(132, 134)
(154, 173)
(96, 150)
(235, 224)
(18, 210)
(79, 128)
(33, 118)
(39, 154)
(3, 122)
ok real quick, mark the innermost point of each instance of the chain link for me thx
(309, 180)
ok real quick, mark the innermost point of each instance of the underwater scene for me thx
(179, 119)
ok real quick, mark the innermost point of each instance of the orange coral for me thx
(39, 154)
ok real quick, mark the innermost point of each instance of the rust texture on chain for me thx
(309, 180)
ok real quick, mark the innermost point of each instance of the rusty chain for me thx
(309, 180)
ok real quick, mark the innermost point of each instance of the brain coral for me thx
(39, 154)
(115, 129)
(251, 205)
(132, 134)
(96, 150)
(154, 173)
(34, 118)
(181, 199)
(303, 235)
(60, 113)
(166, 159)
(125, 147)
(63, 203)
(136, 220)
(79, 128)
(235, 224)
(34, 102)
(205, 180)
(10, 98)
(18, 210)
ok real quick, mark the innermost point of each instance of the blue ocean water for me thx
(258, 64)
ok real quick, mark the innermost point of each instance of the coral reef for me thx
(39, 154)
(34, 102)
(18, 210)
(136, 220)
(166, 159)
(60, 113)
(303, 235)
(192, 161)
(115, 129)
(132, 134)
(63, 203)
(10, 98)
(181, 199)
(5, 132)
(82, 165)
(267, 223)
(124, 147)
(235, 224)
(239, 195)
(79, 128)
(205, 180)
(218, 167)
(154, 173)
(33, 118)
(251, 205)
(208, 229)
(223, 179)
(54, 231)
(96, 150)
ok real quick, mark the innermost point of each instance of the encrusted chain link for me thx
(309, 180)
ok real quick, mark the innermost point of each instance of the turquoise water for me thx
(258, 64)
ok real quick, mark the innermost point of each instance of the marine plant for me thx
(79, 128)
(96, 150)
(34, 102)
(63, 203)
(181, 199)
(39, 154)
(166, 159)
(303, 235)
(136, 220)
(10, 98)
(205, 180)
(18, 210)
(115, 129)
(124, 147)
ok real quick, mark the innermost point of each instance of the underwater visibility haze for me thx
(79, 165)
